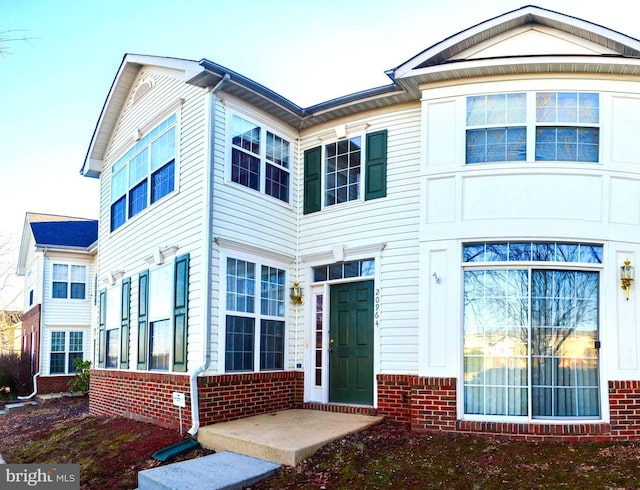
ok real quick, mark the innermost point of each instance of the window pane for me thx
(71, 367)
(113, 347)
(496, 145)
(245, 135)
(240, 285)
(78, 273)
(160, 342)
(60, 272)
(77, 290)
(139, 167)
(75, 341)
(277, 150)
(138, 198)
(163, 149)
(118, 213)
(272, 291)
(239, 344)
(271, 345)
(58, 340)
(161, 292)
(56, 363)
(162, 182)
(59, 290)
(245, 169)
(118, 184)
(277, 183)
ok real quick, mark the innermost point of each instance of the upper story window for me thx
(335, 173)
(260, 159)
(145, 174)
(69, 281)
(563, 127)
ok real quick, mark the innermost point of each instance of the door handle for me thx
(331, 342)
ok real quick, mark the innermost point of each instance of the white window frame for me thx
(69, 281)
(112, 325)
(262, 156)
(256, 315)
(161, 310)
(531, 125)
(67, 345)
(124, 164)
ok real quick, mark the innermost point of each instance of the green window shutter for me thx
(143, 324)
(376, 165)
(180, 304)
(125, 306)
(312, 180)
(102, 346)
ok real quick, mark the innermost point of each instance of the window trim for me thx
(256, 315)
(265, 128)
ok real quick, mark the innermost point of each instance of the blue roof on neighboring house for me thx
(65, 233)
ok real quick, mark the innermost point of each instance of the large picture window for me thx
(260, 159)
(145, 174)
(565, 125)
(531, 331)
(255, 304)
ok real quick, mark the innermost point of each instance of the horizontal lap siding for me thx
(394, 220)
(247, 216)
(176, 220)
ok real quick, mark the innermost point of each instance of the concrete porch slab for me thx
(285, 437)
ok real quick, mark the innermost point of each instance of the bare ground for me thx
(111, 451)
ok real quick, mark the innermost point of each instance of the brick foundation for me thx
(53, 384)
(429, 404)
(148, 396)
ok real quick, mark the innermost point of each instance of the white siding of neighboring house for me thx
(248, 224)
(392, 220)
(176, 220)
(539, 201)
(33, 261)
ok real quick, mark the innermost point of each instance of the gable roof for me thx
(618, 54)
(590, 48)
(56, 232)
(80, 234)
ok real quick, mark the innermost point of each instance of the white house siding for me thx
(176, 220)
(538, 201)
(393, 220)
(246, 223)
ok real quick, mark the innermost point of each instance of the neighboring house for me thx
(10, 332)
(57, 259)
(457, 237)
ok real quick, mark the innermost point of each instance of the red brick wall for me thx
(148, 396)
(624, 407)
(53, 384)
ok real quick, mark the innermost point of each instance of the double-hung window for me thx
(69, 281)
(144, 174)
(255, 320)
(113, 309)
(160, 315)
(66, 347)
(560, 126)
(349, 169)
(531, 317)
(260, 159)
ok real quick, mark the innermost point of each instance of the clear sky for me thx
(53, 84)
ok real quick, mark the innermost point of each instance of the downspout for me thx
(35, 376)
(207, 266)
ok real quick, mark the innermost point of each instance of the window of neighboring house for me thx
(69, 281)
(346, 170)
(29, 287)
(255, 305)
(566, 127)
(66, 347)
(112, 343)
(145, 174)
(531, 330)
(260, 159)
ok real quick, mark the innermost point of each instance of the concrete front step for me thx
(225, 470)
(285, 437)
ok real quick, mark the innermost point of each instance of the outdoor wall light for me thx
(627, 275)
(296, 294)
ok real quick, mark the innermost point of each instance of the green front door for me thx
(351, 343)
